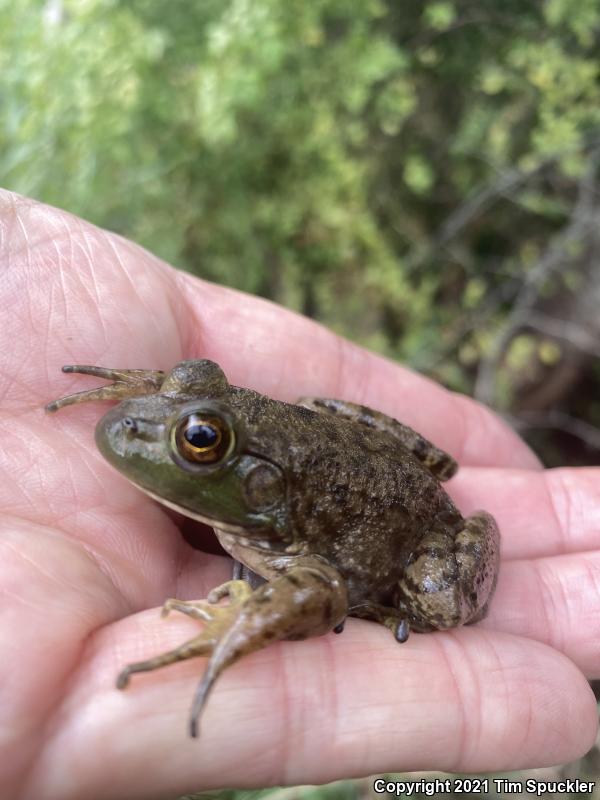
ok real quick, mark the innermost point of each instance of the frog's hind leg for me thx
(439, 463)
(451, 577)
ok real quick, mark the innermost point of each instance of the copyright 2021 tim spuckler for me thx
(436, 786)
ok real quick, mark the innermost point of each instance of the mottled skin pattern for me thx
(340, 508)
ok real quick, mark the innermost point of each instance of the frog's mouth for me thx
(241, 534)
(213, 523)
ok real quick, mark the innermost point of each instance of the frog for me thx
(336, 509)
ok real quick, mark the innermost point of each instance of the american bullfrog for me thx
(340, 509)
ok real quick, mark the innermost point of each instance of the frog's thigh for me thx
(439, 463)
(451, 578)
(478, 558)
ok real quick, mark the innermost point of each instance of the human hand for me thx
(87, 559)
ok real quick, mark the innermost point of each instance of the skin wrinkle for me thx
(457, 756)
(477, 701)
(549, 605)
(554, 480)
(92, 287)
(594, 575)
(331, 690)
(21, 367)
(102, 561)
(594, 578)
(35, 564)
(95, 468)
(345, 377)
(7, 593)
(164, 276)
(528, 725)
(102, 322)
(279, 773)
(172, 575)
(296, 733)
(502, 679)
(186, 322)
(8, 383)
(183, 556)
(328, 694)
(479, 421)
(27, 493)
(556, 731)
(125, 272)
(83, 275)
(518, 741)
(21, 224)
(595, 641)
(145, 301)
(82, 548)
(48, 323)
(459, 423)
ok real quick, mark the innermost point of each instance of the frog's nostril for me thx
(129, 424)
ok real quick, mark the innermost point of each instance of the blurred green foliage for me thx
(393, 169)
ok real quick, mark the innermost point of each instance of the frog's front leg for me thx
(309, 599)
(126, 383)
(452, 576)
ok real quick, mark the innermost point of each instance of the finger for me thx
(285, 355)
(314, 711)
(539, 513)
(103, 297)
(555, 601)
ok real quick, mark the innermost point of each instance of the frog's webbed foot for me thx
(126, 383)
(306, 601)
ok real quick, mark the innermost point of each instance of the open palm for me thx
(86, 559)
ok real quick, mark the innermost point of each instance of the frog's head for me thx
(190, 456)
(182, 442)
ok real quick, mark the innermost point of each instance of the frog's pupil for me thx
(201, 436)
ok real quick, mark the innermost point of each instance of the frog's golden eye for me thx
(202, 439)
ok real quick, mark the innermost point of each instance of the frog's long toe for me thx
(126, 383)
(237, 591)
(218, 619)
(198, 646)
